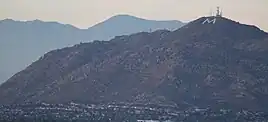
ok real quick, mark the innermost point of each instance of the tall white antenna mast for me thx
(210, 12)
(221, 12)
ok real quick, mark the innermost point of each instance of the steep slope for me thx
(219, 64)
(31, 39)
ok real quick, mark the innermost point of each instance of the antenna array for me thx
(218, 12)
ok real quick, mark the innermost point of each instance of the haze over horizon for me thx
(86, 13)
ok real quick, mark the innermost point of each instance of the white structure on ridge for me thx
(219, 12)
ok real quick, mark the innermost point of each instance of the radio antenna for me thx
(218, 12)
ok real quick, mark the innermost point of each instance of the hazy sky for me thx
(84, 13)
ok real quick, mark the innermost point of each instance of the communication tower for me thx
(218, 12)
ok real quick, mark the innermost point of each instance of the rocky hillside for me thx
(210, 62)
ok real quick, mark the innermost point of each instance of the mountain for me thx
(21, 43)
(128, 25)
(211, 62)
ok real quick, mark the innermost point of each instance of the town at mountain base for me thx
(212, 62)
(43, 112)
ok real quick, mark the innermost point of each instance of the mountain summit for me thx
(31, 39)
(127, 24)
(221, 26)
(210, 62)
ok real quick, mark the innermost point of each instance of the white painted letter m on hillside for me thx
(213, 21)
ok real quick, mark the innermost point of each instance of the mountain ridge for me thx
(112, 17)
(31, 39)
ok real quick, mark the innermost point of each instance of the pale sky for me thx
(85, 13)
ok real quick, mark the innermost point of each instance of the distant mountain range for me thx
(212, 62)
(21, 43)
